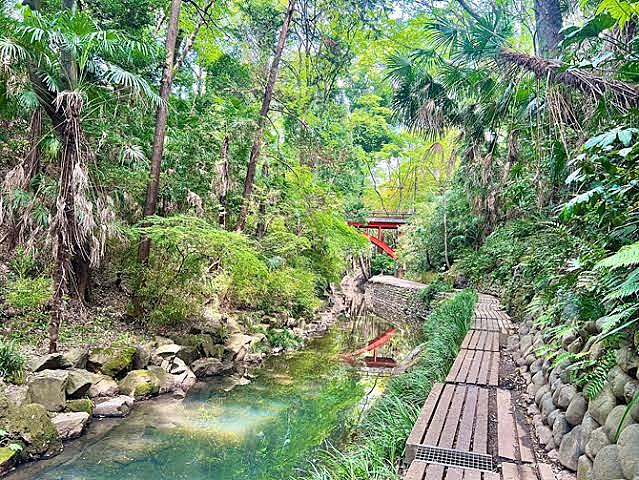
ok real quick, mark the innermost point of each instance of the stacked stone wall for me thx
(578, 431)
(395, 299)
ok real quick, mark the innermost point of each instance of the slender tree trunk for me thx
(150, 204)
(223, 176)
(63, 225)
(260, 230)
(446, 231)
(266, 105)
(548, 24)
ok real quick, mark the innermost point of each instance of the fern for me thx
(627, 256)
(595, 378)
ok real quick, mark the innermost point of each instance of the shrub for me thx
(11, 363)
(437, 285)
(28, 293)
(381, 263)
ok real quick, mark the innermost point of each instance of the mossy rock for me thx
(112, 361)
(140, 384)
(8, 459)
(80, 405)
(31, 424)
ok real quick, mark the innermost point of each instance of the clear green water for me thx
(268, 429)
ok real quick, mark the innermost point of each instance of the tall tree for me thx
(150, 204)
(548, 24)
(261, 123)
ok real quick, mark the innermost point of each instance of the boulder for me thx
(584, 468)
(630, 389)
(606, 465)
(16, 395)
(53, 361)
(543, 389)
(547, 406)
(571, 448)
(140, 384)
(119, 406)
(8, 459)
(31, 425)
(79, 383)
(189, 354)
(47, 388)
(628, 444)
(178, 385)
(602, 405)
(207, 367)
(167, 351)
(77, 358)
(614, 423)
(103, 386)
(576, 410)
(111, 361)
(142, 356)
(598, 440)
(618, 379)
(237, 342)
(565, 396)
(589, 425)
(177, 366)
(628, 360)
(80, 405)
(544, 434)
(70, 425)
(559, 429)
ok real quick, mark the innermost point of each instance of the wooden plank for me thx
(493, 364)
(454, 370)
(435, 428)
(419, 429)
(525, 450)
(476, 340)
(545, 472)
(467, 420)
(527, 472)
(454, 474)
(482, 378)
(480, 440)
(472, 475)
(415, 471)
(462, 375)
(434, 472)
(475, 366)
(452, 418)
(509, 471)
(506, 435)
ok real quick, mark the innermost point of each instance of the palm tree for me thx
(71, 63)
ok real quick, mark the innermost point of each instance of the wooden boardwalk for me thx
(468, 428)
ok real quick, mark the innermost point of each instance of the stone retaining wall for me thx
(395, 299)
(581, 432)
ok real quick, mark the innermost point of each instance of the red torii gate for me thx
(381, 221)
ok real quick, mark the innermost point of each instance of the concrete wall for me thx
(395, 299)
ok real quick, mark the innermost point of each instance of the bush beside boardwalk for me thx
(379, 444)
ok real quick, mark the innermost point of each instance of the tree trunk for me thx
(260, 230)
(446, 231)
(266, 105)
(223, 176)
(150, 204)
(63, 225)
(548, 24)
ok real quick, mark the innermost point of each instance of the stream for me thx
(269, 429)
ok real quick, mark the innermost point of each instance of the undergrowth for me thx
(380, 439)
